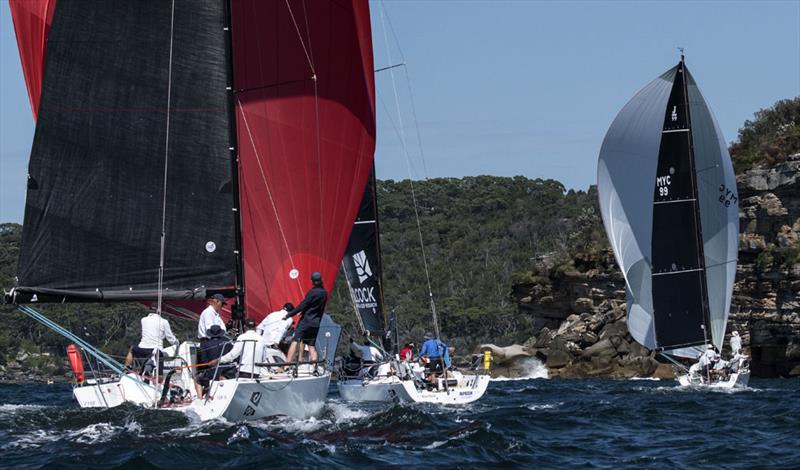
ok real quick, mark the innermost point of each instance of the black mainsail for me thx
(96, 173)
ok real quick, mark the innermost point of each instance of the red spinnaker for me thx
(32, 19)
(305, 117)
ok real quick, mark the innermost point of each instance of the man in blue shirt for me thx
(433, 354)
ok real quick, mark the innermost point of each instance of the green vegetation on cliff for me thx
(769, 138)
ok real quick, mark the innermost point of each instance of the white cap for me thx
(709, 346)
(735, 333)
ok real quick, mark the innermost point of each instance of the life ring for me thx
(74, 355)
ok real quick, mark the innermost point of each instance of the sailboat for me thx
(669, 205)
(186, 149)
(390, 379)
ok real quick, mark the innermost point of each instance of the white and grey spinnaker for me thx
(670, 208)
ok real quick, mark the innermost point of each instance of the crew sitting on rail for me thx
(213, 348)
(155, 330)
(249, 349)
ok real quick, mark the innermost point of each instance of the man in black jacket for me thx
(312, 307)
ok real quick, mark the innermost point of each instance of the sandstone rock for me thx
(618, 328)
(664, 372)
(604, 347)
(583, 304)
(786, 237)
(557, 358)
(588, 339)
(502, 355)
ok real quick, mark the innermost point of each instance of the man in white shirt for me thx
(155, 330)
(210, 316)
(736, 343)
(273, 326)
(368, 352)
(249, 349)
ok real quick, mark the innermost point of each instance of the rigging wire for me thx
(408, 85)
(166, 167)
(310, 58)
(401, 134)
(166, 175)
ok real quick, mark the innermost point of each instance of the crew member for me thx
(367, 352)
(274, 325)
(407, 353)
(736, 343)
(249, 349)
(432, 356)
(210, 316)
(312, 307)
(215, 347)
(155, 330)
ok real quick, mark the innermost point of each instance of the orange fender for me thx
(74, 355)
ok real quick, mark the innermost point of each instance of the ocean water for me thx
(524, 423)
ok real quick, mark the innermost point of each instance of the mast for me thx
(237, 310)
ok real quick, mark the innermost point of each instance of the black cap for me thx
(219, 297)
(215, 331)
(316, 276)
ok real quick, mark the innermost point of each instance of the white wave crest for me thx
(543, 406)
(530, 368)
(96, 433)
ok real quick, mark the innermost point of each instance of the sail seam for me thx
(674, 130)
(678, 272)
(676, 200)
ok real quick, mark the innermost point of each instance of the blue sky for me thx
(518, 87)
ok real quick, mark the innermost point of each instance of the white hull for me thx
(249, 399)
(235, 400)
(468, 389)
(735, 380)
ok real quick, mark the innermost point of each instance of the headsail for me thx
(32, 19)
(305, 111)
(363, 267)
(669, 205)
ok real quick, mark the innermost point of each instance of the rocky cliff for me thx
(579, 314)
